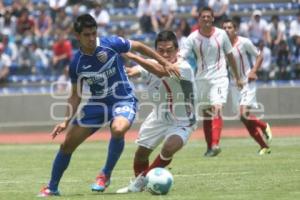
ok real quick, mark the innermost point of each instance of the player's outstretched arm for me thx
(147, 51)
(149, 65)
(73, 103)
(233, 66)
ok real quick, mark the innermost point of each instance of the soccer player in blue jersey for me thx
(99, 64)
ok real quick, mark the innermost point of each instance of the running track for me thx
(44, 137)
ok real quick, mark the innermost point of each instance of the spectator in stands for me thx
(283, 61)
(5, 63)
(121, 31)
(8, 23)
(265, 68)
(295, 26)
(145, 13)
(101, 16)
(25, 24)
(257, 27)
(182, 31)
(275, 33)
(16, 9)
(25, 63)
(164, 14)
(43, 26)
(10, 48)
(184, 27)
(294, 31)
(64, 22)
(55, 7)
(39, 59)
(221, 9)
(62, 53)
(296, 56)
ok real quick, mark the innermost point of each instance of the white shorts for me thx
(244, 97)
(212, 92)
(154, 130)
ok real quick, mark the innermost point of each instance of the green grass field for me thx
(238, 173)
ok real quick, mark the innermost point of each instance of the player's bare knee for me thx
(168, 149)
(118, 132)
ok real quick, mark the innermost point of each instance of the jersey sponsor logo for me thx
(102, 56)
(86, 66)
(100, 78)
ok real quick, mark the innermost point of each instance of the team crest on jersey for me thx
(102, 56)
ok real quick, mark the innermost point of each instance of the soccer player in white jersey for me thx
(209, 46)
(172, 119)
(246, 98)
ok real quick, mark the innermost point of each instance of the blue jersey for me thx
(104, 71)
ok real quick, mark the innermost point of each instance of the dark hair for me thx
(206, 9)
(275, 17)
(84, 21)
(230, 21)
(165, 36)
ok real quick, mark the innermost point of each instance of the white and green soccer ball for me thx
(159, 181)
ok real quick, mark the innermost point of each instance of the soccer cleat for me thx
(102, 182)
(264, 151)
(46, 192)
(268, 133)
(137, 185)
(214, 151)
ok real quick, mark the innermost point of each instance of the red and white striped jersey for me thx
(243, 51)
(173, 99)
(209, 53)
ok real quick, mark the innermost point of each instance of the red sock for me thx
(217, 124)
(140, 166)
(261, 124)
(158, 162)
(252, 129)
(207, 124)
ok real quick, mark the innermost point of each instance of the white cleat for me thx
(137, 185)
(123, 190)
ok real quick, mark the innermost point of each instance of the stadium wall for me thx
(40, 112)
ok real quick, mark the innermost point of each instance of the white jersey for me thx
(173, 98)
(243, 51)
(209, 53)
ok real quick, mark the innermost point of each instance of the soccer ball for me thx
(159, 181)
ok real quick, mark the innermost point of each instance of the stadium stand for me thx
(22, 81)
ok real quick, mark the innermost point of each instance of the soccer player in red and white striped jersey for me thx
(210, 46)
(246, 98)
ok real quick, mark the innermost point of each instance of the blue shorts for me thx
(96, 114)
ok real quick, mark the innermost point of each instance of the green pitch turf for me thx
(237, 173)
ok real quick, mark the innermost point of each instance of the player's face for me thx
(230, 30)
(167, 50)
(206, 19)
(87, 38)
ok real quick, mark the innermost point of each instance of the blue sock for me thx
(115, 149)
(60, 163)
